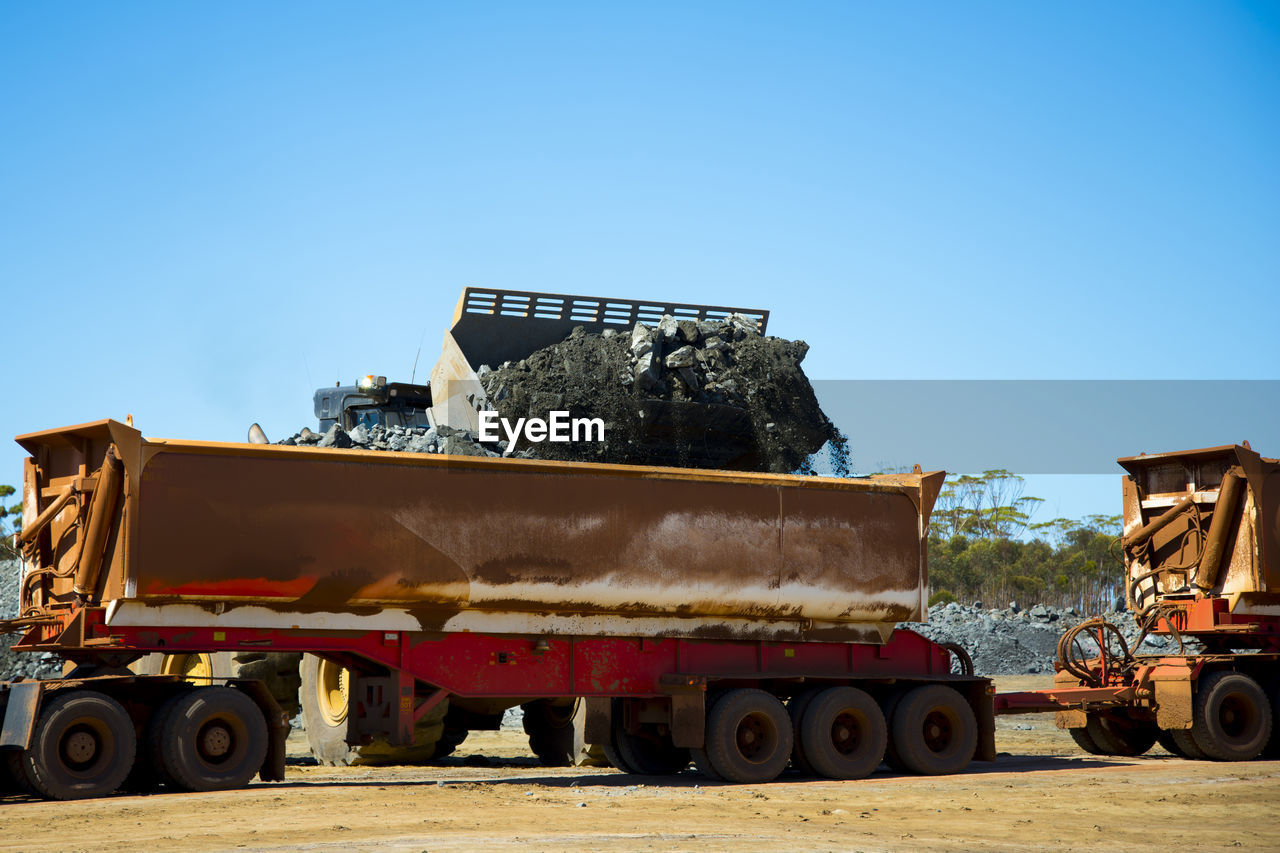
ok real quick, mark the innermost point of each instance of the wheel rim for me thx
(846, 733)
(215, 742)
(192, 667)
(757, 738)
(938, 730)
(333, 691)
(1237, 717)
(80, 747)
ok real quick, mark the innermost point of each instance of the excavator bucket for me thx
(493, 326)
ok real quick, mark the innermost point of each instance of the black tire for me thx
(1272, 750)
(326, 728)
(934, 730)
(795, 710)
(1231, 719)
(615, 759)
(213, 739)
(1085, 741)
(83, 746)
(699, 754)
(549, 725)
(1166, 739)
(1119, 735)
(279, 671)
(748, 736)
(844, 733)
(889, 704)
(449, 741)
(647, 753)
(323, 697)
(1186, 743)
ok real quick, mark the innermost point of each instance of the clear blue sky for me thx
(206, 210)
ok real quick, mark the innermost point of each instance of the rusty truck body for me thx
(1201, 549)
(739, 621)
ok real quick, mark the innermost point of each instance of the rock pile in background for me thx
(14, 665)
(1014, 641)
(723, 365)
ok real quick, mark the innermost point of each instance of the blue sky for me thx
(207, 210)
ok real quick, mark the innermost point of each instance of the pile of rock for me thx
(14, 665)
(725, 370)
(1014, 641)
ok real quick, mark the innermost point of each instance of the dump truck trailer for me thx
(1201, 550)
(739, 621)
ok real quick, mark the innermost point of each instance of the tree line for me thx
(984, 546)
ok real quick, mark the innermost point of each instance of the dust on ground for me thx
(1042, 793)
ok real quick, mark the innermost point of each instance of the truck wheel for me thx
(450, 740)
(326, 689)
(844, 733)
(748, 736)
(277, 670)
(889, 704)
(1120, 735)
(1165, 739)
(795, 710)
(83, 746)
(213, 739)
(555, 730)
(1085, 741)
(1232, 717)
(934, 730)
(1186, 743)
(647, 753)
(549, 725)
(699, 754)
(325, 695)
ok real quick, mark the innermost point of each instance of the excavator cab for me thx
(373, 401)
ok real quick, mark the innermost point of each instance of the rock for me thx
(647, 374)
(608, 333)
(682, 357)
(359, 435)
(1013, 606)
(668, 329)
(641, 335)
(689, 332)
(335, 437)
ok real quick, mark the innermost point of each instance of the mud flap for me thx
(20, 714)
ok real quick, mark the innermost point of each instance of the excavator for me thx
(490, 326)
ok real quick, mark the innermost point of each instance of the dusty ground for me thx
(1042, 793)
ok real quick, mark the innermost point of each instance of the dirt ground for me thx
(1042, 793)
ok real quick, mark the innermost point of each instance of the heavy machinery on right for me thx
(1201, 550)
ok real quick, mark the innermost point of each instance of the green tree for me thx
(10, 523)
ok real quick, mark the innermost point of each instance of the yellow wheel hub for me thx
(333, 692)
(193, 667)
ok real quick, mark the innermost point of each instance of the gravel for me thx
(1016, 641)
(438, 439)
(15, 665)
